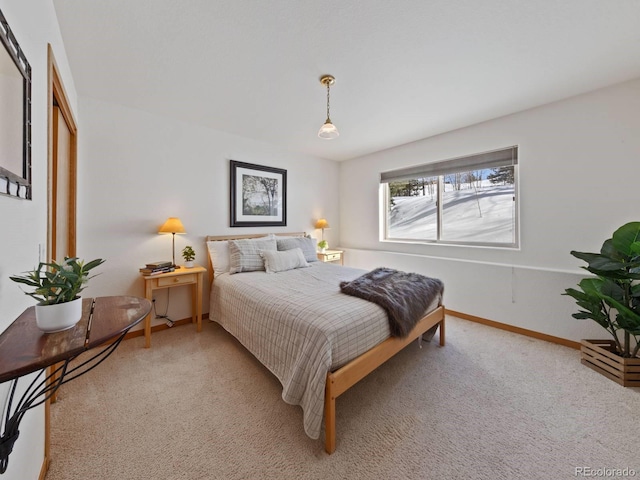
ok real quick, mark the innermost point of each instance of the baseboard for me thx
(44, 469)
(511, 328)
(164, 326)
(453, 313)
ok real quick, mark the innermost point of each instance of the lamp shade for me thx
(328, 131)
(322, 223)
(172, 225)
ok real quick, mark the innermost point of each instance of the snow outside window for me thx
(469, 200)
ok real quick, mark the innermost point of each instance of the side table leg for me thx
(199, 301)
(147, 320)
(194, 300)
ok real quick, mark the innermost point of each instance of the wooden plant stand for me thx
(599, 355)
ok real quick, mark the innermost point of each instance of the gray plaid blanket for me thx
(404, 296)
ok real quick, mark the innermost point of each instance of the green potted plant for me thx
(56, 287)
(189, 256)
(323, 245)
(612, 299)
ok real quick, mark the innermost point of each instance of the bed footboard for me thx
(345, 377)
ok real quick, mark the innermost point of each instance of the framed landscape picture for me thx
(258, 195)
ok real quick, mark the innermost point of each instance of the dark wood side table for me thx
(26, 349)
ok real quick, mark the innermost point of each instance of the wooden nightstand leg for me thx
(147, 321)
(194, 299)
(147, 331)
(198, 306)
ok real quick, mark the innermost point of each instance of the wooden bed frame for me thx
(348, 375)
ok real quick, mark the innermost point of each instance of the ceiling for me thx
(405, 70)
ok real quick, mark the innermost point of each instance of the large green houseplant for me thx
(612, 297)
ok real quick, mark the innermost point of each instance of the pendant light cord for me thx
(328, 118)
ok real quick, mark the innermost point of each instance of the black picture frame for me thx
(15, 151)
(258, 195)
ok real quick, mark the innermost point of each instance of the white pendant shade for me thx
(328, 131)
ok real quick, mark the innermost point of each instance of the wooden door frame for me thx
(56, 91)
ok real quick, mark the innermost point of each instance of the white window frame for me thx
(493, 159)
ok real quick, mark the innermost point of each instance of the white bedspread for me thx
(300, 326)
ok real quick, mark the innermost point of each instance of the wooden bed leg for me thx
(442, 332)
(329, 417)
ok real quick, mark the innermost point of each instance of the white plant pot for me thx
(189, 264)
(58, 317)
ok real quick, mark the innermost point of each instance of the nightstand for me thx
(329, 256)
(181, 276)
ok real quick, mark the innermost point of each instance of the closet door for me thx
(61, 189)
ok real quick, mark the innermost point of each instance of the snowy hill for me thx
(483, 215)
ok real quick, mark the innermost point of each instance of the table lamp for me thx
(322, 224)
(173, 225)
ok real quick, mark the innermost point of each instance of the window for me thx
(468, 200)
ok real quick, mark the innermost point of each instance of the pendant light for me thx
(328, 131)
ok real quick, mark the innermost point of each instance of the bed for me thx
(315, 339)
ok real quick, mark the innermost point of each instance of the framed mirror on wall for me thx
(15, 117)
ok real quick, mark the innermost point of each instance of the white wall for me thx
(24, 223)
(137, 169)
(578, 182)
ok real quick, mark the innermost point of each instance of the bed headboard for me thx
(214, 238)
(217, 238)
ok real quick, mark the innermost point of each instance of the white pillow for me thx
(219, 255)
(244, 255)
(275, 262)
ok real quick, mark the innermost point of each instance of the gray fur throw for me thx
(404, 296)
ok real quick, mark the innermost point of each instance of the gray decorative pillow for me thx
(306, 244)
(275, 262)
(244, 255)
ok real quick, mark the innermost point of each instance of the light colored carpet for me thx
(489, 405)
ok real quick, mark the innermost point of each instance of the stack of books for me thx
(156, 268)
